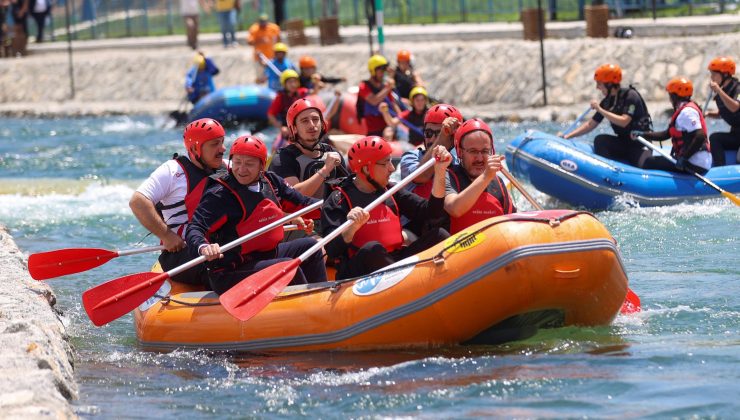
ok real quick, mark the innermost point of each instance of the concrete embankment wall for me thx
(497, 75)
(36, 361)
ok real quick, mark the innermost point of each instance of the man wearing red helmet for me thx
(474, 191)
(307, 163)
(687, 131)
(625, 109)
(440, 123)
(375, 239)
(166, 201)
(726, 90)
(243, 201)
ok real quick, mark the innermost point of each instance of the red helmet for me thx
(468, 127)
(403, 55)
(301, 105)
(438, 113)
(199, 132)
(306, 62)
(608, 73)
(680, 86)
(724, 65)
(249, 146)
(366, 152)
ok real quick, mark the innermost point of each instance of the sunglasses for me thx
(429, 133)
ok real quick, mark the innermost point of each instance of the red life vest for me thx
(286, 100)
(494, 201)
(384, 225)
(677, 135)
(263, 213)
(196, 179)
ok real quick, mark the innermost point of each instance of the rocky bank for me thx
(36, 361)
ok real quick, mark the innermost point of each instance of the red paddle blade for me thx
(47, 265)
(631, 303)
(252, 294)
(113, 299)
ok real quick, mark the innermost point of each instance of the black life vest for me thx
(196, 179)
(640, 121)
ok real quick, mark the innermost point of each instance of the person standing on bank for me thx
(40, 11)
(166, 201)
(263, 35)
(227, 11)
(726, 90)
(474, 192)
(375, 240)
(687, 131)
(625, 109)
(190, 11)
(243, 201)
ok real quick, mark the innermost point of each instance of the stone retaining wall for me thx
(504, 74)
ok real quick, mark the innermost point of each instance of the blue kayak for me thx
(570, 171)
(235, 103)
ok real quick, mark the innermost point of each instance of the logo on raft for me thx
(568, 165)
(463, 241)
(385, 278)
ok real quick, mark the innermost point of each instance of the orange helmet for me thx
(723, 65)
(680, 86)
(199, 132)
(306, 62)
(366, 152)
(608, 73)
(404, 55)
(249, 146)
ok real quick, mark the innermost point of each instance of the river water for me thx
(66, 183)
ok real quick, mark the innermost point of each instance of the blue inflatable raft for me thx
(570, 171)
(235, 103)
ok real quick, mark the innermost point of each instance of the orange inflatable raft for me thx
(497, 281)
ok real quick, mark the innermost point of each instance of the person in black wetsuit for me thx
(726, 90)
(625, 109)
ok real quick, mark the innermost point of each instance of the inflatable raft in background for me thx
(499, 280)
(234, 104)
(570, 171)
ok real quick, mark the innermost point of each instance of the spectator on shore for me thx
(19, 10)
(4, 7)
(190, 10)
(227, 11)
(40, 11)
(263, 35)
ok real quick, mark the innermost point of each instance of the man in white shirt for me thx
(165, 202)
(687, 131)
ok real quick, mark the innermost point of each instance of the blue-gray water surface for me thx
(66, 183)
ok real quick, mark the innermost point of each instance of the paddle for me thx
(256, 291)
(732, 197)
(575, 123)
(113, 299)
(706, 104)
(631, 301)
(406, 122)
(47, 265)
(266, 61)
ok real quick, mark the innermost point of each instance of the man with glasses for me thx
(473, 191)
(440, 123)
